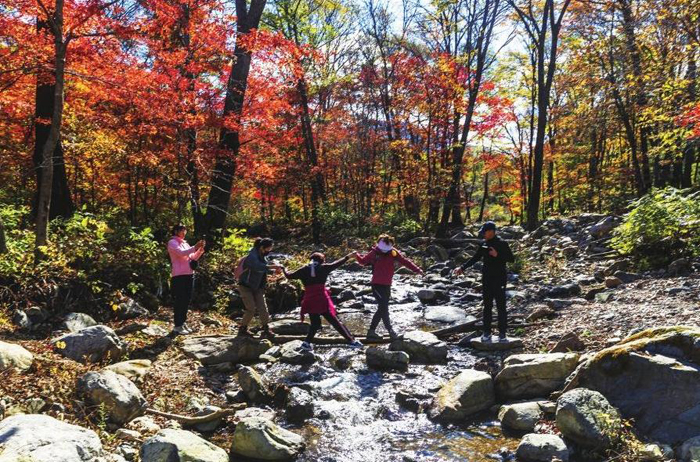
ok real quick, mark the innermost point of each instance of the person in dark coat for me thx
(495, 253)
(317, 299)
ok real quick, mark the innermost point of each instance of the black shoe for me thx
(243, 332)
(267, 333)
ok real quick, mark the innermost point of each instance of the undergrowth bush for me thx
(660, 227)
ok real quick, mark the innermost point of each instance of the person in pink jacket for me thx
(182, 281)
(384, 259)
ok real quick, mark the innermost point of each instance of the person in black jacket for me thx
(496, 253)
(317, 300)
(252, 285)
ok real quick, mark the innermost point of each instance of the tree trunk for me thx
(484, 197)
(229, 140)
(3, 242)
(61, 201)
(44, 197)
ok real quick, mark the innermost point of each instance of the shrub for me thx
(660, 227)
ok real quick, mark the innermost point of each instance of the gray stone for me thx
(679, 267)
(135, 369)
(438, 252)
(534, 375)
(91, 344)
(690, 450)
(300, 405)
(447, 314)
(290, 327)
(261, 439)
(293, 353)
(496, 345)
(627, 277)
(564, 290)
(14, 356)
(21, 320)
(37, 314)
(586, 417)
(40, 438)
(75, 322)
(121, 398)
(380, 359)
(612, 282)
(422, 347)
(468, 393)
(225, 349)
(253, 385)
(172, 445)
(603, 227)
(520, 416)
(541, 448)
(540, 312)
(428, 296)
(569, 342)
(128, 308)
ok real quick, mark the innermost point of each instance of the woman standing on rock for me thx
(252, 283)
(317, 300)
(182, 256)
(384, 258)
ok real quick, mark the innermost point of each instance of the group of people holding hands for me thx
(384, 258)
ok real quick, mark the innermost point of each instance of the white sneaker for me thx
(486, 338)
(179, 330)
(307, 346)
(356, 344)
(189, 329)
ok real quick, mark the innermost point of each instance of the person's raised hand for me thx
(200, 244)
(493, 252)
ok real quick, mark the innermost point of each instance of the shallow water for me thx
(358, 418)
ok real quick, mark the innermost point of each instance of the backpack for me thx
(240, 269)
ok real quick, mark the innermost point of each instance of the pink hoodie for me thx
(384, 265)
(180, 255)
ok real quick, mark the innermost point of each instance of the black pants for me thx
(382, 294)
(333, 321)
(182, 288)
(495, 291)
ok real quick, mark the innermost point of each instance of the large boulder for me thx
(534, 375)
(122, 400)
(261, 439)
(652, 377)
(603, 227)
(75, 322)
(293, 353)
(40, 438)
(91, 344)
(171, 445)
(422, 347)
(253, 385)
(520, 416)
(690, 450)
(290, 327)
(13, 355)
(587, 418)
(541, 448)
(225, 349)
(468, 393)
(384, 360)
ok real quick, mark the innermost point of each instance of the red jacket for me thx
(384, 265)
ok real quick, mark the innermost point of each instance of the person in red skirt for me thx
(317, 300)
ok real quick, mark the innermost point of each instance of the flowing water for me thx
(357, 415)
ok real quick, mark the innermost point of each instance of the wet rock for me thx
(14, 356)
(263, 440)
(135, 369)
(542, 448)
(128, 308)
(180, 445)
(380, 359)
(447, 314)
(293, 353)
(520, 416)
(225, 348)
(253, 385)
(300, 405)
(468, 393)
(75, 322)
(122, 400)
(422, 347)
(496, 345)
(569, 342)
(690, 450)
(586, 417)
(40, 438)
(631, 374)
(428, 296)
(90, 344)
(534, 375)
(413, 400)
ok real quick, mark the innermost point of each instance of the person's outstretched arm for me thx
(478, 255)
(366, 259)
(336, 264)
(408, 263)
(294, 275)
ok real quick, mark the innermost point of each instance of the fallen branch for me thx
(185, 420)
